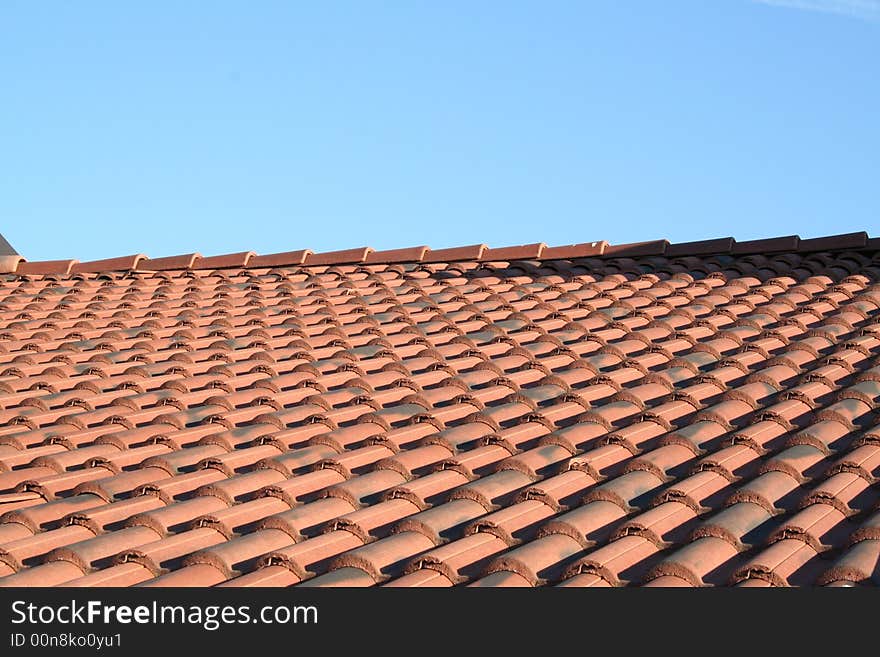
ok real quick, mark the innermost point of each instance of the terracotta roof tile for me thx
(704, 247)
(474, 252)
(9, 263)
(225, 261)
(763, 246)
(186, 261)
(525, 251)
(62, 267)
(123, 263)
(697, 414)
(280, 259)
(410, 254)
(347, 256)
(574, 250)
(845, 241)
(653, 247)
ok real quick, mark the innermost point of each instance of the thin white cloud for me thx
(863, 9)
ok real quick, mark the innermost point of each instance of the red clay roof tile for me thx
(699, 414)
(453, 254)
(763, 246)
(123, 263)
(9, 263)
(523, 252)
(844, 241)
(347, 256)
(574, 250)
(410, 254)
(226, 261)
(653, 247)
(703, 247)
(287, 258)
(61, 267)
(186, 261)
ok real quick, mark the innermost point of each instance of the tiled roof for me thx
(587, 415)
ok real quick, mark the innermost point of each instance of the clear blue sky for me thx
(170, 127)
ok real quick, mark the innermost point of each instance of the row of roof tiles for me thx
(477, 252)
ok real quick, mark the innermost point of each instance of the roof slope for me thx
(658, 415)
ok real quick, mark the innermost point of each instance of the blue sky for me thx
(167, 128)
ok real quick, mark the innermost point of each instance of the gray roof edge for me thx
(6, 248)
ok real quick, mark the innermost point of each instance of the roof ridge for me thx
(16, 264)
